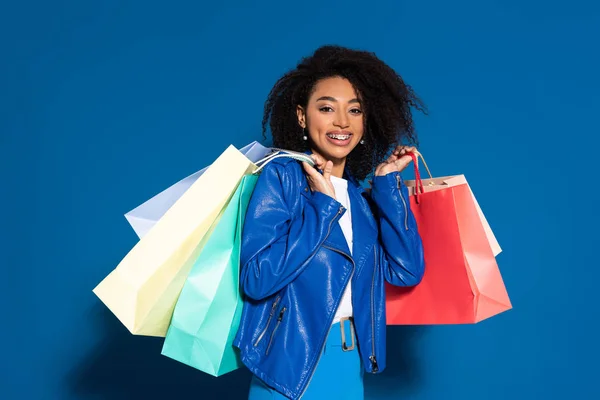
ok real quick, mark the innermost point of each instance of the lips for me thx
(339, 138)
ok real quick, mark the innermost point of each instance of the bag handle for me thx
(418, 181)
(279, 153)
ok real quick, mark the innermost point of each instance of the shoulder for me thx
(286, 169)
(284, 176)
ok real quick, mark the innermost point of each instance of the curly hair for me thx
(386, 101)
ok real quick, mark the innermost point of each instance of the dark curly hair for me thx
(385, 98)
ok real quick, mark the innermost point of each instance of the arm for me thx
(276, 245)
(402, 250)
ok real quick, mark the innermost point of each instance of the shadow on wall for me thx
(404, 373)
(127, 367)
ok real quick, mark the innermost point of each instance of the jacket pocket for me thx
(264, 331)
(279, 319)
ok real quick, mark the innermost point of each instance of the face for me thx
(333, 118)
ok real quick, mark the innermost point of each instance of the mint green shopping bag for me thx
(207, 314)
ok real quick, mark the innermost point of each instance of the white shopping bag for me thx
(143, 217)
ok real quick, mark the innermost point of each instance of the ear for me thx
(301, 116)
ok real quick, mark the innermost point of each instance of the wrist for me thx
(385, 173)
(392, 179)
(326, 193)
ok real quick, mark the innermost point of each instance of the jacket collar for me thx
(362, 221)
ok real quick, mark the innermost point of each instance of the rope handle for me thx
(419, 187)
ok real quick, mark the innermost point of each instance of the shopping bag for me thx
(432, 184)
(207, 313)
(462, 283)
(143, 289)
(144, 217)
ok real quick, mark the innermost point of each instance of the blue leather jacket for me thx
(295, 264)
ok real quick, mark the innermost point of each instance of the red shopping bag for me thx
(462, 283)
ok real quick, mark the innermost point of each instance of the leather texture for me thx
(295, 264)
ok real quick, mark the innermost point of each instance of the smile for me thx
(339, 136)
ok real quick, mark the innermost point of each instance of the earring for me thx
(362, 141)
(304, 137)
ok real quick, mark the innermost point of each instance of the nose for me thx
(341, 120)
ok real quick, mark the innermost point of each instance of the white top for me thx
(341, 194)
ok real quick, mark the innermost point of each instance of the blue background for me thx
(102, 106)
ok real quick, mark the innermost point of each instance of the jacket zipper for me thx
(330, 320)
(262, 334)
(331, 223)
(403, 202)
(275, 330)
(373, 359)
(328, 230)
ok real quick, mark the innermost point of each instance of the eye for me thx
(325, 109)
(356, 111)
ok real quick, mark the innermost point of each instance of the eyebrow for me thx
(335, 100)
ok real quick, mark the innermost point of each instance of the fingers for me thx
(406, 155)
(393, 157)
(323, 165)
(398, 160)
(319, 161)
(404, 149)
(404, 161)
(318, 182)
(414, 151)
(399, 152)
(310, 170)
(327, 170)
(410, 149)
(314, 175)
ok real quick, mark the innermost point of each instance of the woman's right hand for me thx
(316, 181)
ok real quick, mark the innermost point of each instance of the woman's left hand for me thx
(397, 161)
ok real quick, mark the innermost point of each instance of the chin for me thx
(339, 152)
(328, 150)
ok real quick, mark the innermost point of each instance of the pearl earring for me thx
(362, 141)
(304, 137)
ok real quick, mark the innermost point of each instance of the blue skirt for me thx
(339, 374)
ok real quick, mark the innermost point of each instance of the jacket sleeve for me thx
(277, 244)
(402, 256)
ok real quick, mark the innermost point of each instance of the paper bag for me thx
(433, 184)
(143, 217)
(143, 289)
(208, 311)
(462, 283)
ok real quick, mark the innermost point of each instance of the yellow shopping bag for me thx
(143, 289)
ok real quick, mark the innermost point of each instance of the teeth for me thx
(339, 137)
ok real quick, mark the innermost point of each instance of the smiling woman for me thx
(334, 120)
(344, 86)
(314, 318)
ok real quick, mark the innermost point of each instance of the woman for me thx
(316, 247)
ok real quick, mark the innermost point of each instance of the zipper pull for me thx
(281, 314)
(374, 363)
(398, 180)
(273, 306)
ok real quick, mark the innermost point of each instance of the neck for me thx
(338, 168)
